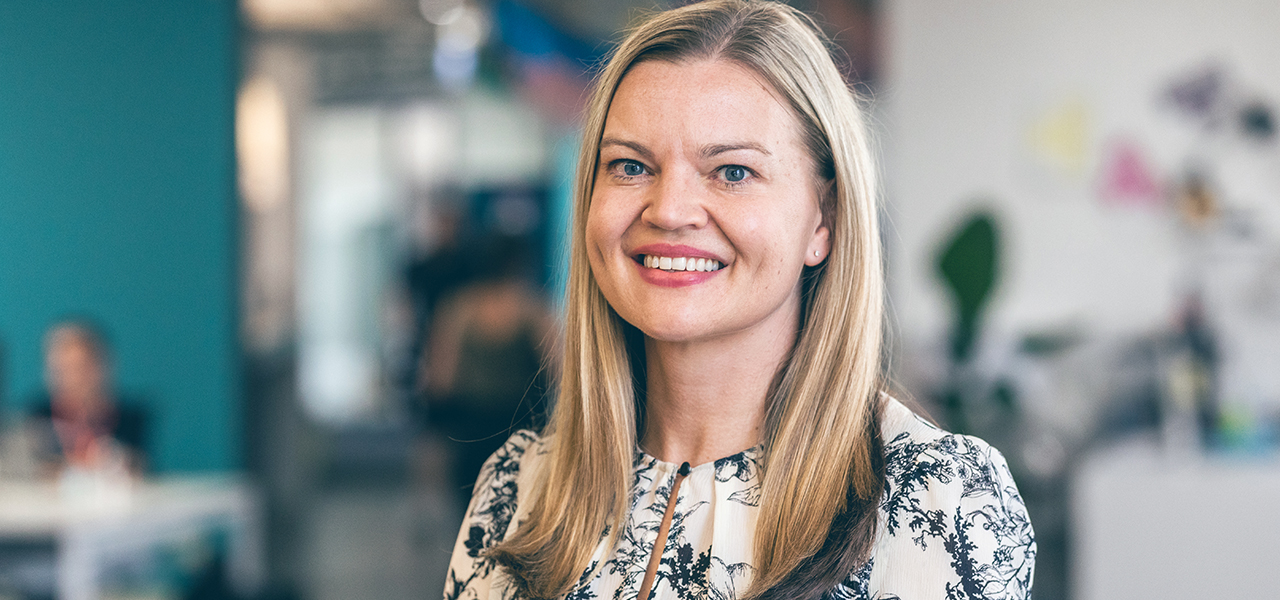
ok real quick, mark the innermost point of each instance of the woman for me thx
(90, 426)
(720, 430)
(484, 371)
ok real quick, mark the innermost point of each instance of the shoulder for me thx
(495, 497)
(495, 501)
(40, 406)
(131, 414)
(919, 456)
(506, 463)
(951, 502)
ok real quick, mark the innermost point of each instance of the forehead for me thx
(703, 99)
(70, 340)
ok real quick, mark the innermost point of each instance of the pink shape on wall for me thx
(1127, 176)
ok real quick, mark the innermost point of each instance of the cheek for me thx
(603, 233)
(597, 228)
(749, 231)
(776, 239)
(608, 218)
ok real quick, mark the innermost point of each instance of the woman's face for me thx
(705, 208)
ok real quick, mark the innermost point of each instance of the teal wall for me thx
(117, 200)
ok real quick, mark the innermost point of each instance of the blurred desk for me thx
(86, 532)
(1149, 525)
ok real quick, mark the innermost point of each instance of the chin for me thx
(674, 332)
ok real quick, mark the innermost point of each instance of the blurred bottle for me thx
(1190, 408)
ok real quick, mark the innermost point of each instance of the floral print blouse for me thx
(951, 525)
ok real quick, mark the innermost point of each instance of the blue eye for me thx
(632, 169)
(734, 174)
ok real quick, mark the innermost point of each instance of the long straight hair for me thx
(822, 462)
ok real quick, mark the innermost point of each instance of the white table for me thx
(1150, 525)
(87, 531)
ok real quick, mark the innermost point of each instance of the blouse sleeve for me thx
(994, 547)
(956, 525)
(488, 516)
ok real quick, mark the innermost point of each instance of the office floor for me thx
(351, 515)
(378, 542)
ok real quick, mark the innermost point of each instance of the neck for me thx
(80, 405)
(707, 400)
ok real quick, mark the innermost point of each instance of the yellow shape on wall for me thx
(1059, 138)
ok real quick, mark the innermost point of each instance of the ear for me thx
(820, 243)
(819, 247)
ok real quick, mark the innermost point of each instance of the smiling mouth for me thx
(679, 263)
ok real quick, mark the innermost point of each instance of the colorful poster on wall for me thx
(1127, 177)
(1200, 94)
(1058, 138)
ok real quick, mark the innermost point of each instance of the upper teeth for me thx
(680, 263)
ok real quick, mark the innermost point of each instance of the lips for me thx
(679, 263)
(674, 251)
(675, 265)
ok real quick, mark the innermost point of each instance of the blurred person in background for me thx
(437, 269)
(722, 428)
(88, 425)
(483, 369)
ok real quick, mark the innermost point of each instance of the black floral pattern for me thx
(492, 507)
(681, 568)
(988, 503)
(949, 499)
(742, 467)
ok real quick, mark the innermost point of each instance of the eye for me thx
(625, 168)
(734, 173)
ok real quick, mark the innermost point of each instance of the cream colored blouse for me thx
(951, 525)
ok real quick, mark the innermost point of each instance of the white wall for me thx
(964, 81)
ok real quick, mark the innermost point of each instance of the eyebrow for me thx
(711, 150)
(707, 151)
(635, 146)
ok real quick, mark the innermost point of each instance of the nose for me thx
(676, 202)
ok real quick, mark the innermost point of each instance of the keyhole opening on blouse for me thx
(660, 544)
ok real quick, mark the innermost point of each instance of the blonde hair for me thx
(822, 474)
